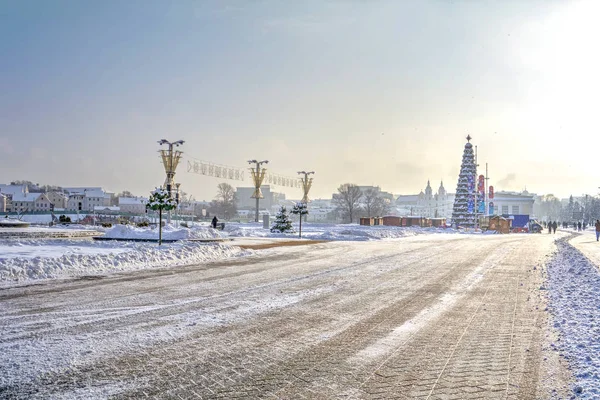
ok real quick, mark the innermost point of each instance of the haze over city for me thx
(374, 93)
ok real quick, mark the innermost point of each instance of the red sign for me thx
(481, 184)
(491, 192)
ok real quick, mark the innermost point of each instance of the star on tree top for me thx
(469, 138)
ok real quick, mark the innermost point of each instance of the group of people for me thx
(578, 226)
(552, 226)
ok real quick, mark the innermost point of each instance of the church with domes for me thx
(437, 205)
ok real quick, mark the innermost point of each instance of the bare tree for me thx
(225, 202)
(125, 193)
(380, 206)
(347, 200)
(373, 203)
(368, 199)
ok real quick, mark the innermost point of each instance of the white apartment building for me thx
(58, 199)
(86, 198)
(9, 191)
(31, 202)
(42, 203)
(24, 202)
(3, 200)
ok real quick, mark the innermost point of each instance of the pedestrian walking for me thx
(554, 226)
(597, 229)
(549, 227)
(214, 222)
(579, 226)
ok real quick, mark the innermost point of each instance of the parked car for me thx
(535, 226)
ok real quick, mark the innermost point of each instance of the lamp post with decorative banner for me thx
(170, 160)
(258, 176)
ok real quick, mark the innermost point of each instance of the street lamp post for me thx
(170, 160)
(306, 185)
(258, 176)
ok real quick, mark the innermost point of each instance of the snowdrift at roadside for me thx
(351, 232)
(169, 232)
(574, 285)
(65, 258)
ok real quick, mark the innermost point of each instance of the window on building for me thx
(515, 210)
(504, 209)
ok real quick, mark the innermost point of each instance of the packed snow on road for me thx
(568, 279)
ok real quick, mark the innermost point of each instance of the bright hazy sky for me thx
(368, 92)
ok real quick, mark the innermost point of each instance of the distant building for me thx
(270, 199)
(11, 190)
(42, 203)
(24, 202)
(427, 204)
(134, 205)
(407, 204)
(75, 202)
(58, 199)
(86, 198)
(437, 205)
(3, 200)
(513, 203)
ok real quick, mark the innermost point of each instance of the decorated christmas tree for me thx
(463, 213)
(282, 222)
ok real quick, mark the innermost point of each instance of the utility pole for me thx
(258, 176)
(306, 185)
(170, 160)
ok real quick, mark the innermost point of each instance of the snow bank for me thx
(169, 232)
(41, 259)
(349, 232)
(574, 284)
(47, 218)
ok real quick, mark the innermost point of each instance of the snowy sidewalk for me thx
(587, 244)
(574, 294)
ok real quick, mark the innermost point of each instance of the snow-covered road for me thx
(431, 316)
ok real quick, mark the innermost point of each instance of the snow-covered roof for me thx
(407, 198)
(12, 189)
(132, 200)
(94, 193)
(26, 197)
(74, 190)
